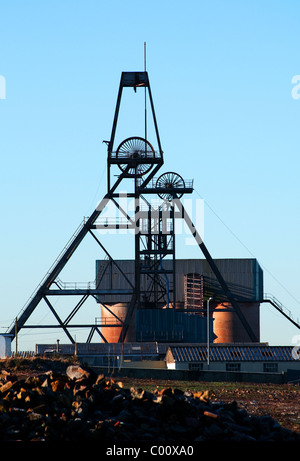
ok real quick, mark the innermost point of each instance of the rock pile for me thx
(79, 405)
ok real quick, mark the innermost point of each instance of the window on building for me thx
(195, 366)
(233, 366)
(271, 367)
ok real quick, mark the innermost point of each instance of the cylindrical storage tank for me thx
(228, 327)
(112, 331)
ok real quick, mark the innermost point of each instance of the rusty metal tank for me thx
(110, 325)
(227, 325)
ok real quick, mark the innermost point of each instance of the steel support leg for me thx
(215, 270)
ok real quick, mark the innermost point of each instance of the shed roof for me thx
(224, 353)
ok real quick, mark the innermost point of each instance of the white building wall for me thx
(251, 367)
(5, 346)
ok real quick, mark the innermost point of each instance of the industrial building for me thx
(158, 360)
(153, 305)
(186, 319)
(255, 358)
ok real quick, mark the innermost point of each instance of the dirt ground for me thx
(281, 402)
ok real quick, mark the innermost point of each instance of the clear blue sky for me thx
(221, 77)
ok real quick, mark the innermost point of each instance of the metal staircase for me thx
(269, 298)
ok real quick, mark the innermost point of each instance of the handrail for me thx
(118, 221)
(143, 154)
(188, 183)
(279, 306)
(105, 320)
(75, 285)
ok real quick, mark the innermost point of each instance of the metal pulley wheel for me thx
(170, 181)
(136, 150)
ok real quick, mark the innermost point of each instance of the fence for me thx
(23, 354)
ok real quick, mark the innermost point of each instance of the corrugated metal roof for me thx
(232, 353)
(137, 348)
